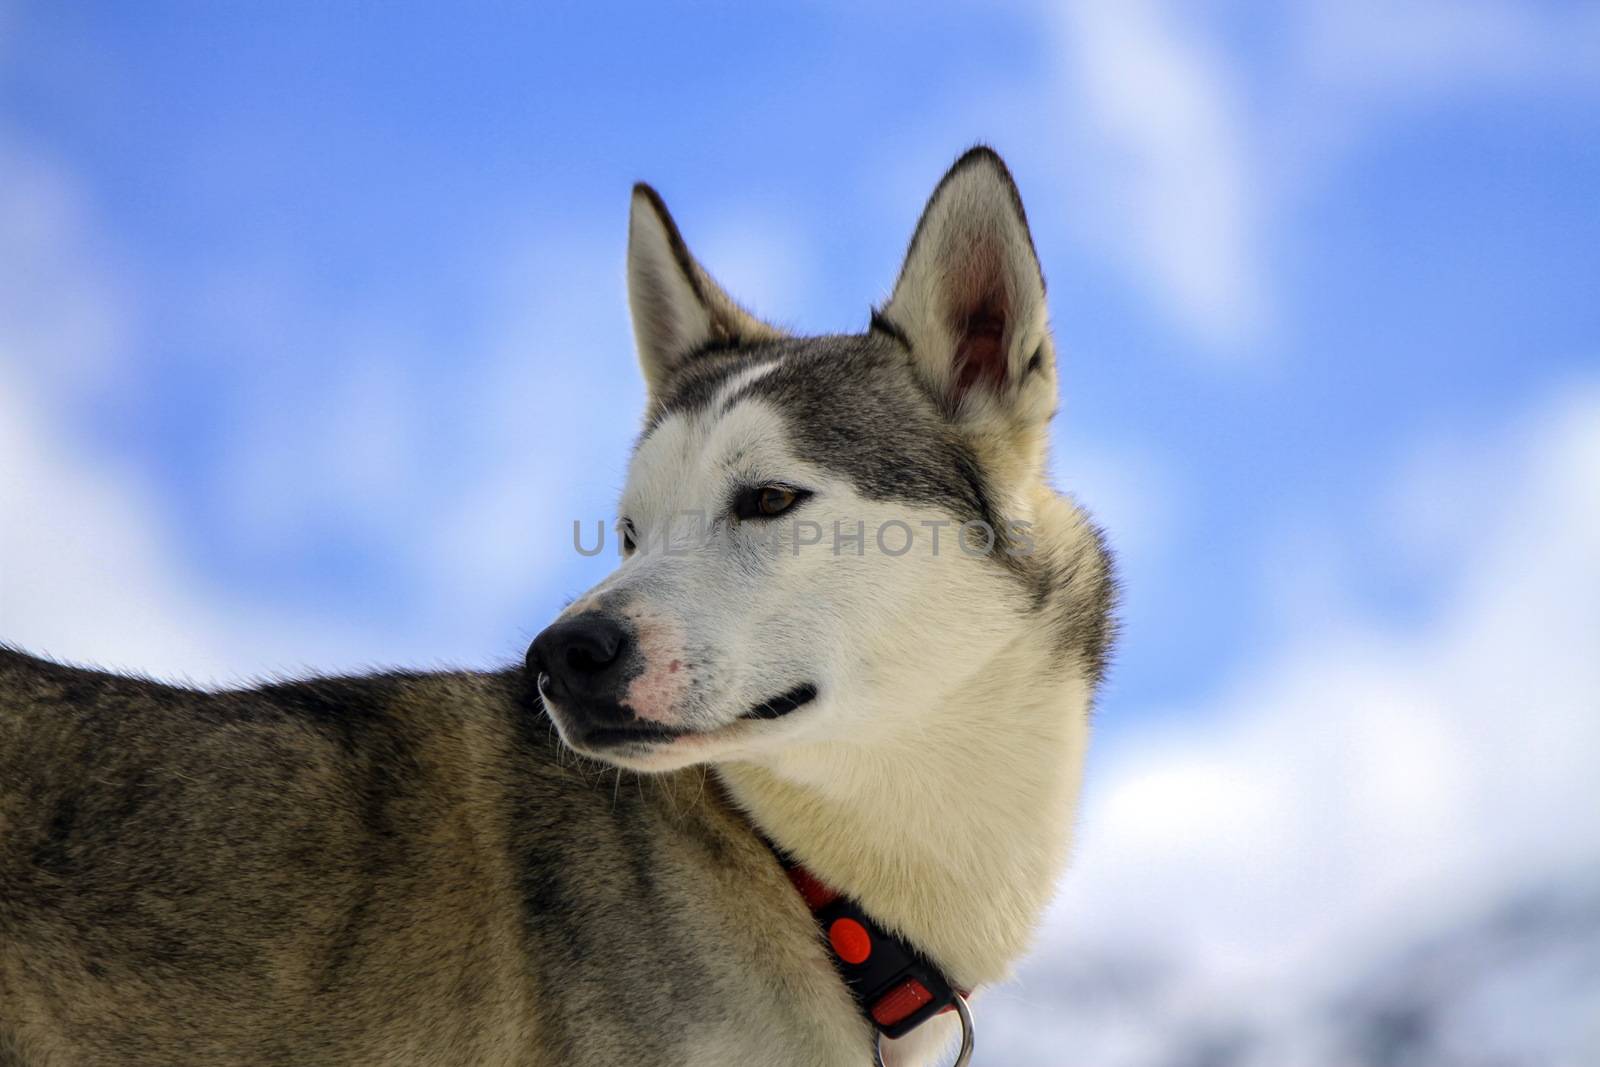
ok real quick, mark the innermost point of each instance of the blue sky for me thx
(1348, 263)
(270, 188)
(313, 334)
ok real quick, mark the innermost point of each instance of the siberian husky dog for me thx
(852, 644)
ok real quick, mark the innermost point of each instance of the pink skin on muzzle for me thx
(654, 695)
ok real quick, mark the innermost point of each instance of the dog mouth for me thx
(615, 727)
(617, 736)
(784, 703)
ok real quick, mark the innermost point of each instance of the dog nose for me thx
(583, 656)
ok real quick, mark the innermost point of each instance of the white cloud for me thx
(1168, 144)
(85, 566)
(61, 313)
(90, 571)
(1183, 172)
(462, 487)
(765, 261)
(1132, 494)
(91, 568)
(1358, 792)
(82, 567)
(1425, 47)
(554, 407)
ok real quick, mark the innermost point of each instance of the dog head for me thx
(822, 535)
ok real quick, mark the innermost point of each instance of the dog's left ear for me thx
(970, 298)
(678, 311)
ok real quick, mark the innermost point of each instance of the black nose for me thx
(582, 656)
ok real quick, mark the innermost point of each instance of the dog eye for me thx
(775, 500)
(767, 501)
(625, 528)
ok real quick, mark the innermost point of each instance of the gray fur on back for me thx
(356, 870)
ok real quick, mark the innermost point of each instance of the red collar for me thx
(897, 987)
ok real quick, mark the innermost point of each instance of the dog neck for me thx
(952, 834)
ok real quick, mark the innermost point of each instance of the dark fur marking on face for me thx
(697, 381)
(1095, 620)
(883, 433)
(738, 396)
(967, 465)
(711, 347)
(1078, 596)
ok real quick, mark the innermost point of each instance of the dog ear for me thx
(678, 311)
(970, 298)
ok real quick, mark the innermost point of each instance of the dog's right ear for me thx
(678, 311)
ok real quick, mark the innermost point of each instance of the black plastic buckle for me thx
(890, 964)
